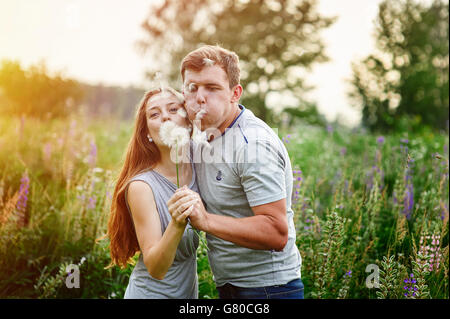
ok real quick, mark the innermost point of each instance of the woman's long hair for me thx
(141, 155)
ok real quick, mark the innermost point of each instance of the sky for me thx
(94, 42)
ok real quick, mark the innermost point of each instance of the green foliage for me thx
(276, 43)
(404, 84)
(35, 92)
(345, 214)
(389, 278)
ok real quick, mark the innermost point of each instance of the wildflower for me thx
(430, 251)
(404, 141)
(47, 149)
(343, 151)
(92, 159)
(329, 129)
(348, 274)
(408, 201)
(286, 139)
(174, 136)
(380, 140)
(92, 202)
(410, 287)
(21, 205)
(297, 184)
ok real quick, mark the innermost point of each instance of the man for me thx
(246, 187)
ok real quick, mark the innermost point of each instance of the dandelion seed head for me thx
(200, 114)
(199, 136)
(208, 62)
(173, 135)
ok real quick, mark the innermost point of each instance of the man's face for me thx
(209, 91)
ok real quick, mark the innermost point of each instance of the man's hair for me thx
(208, 54)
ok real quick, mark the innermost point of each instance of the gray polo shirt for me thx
(247, 166)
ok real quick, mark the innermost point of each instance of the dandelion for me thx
(181, 112)
(199, 136)
(208, 62)
(174, 136)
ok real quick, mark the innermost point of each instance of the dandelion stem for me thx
(176, 165)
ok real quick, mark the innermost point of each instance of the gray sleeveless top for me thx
(181, 280)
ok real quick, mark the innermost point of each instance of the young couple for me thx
(243, 204)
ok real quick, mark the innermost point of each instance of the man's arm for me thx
(267, 230)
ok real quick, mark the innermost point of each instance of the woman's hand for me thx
(181, 209)
(185, 198)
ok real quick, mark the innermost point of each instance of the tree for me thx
(276, 41)
(35, 93)
(404, 84)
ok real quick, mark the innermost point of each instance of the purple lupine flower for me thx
(380, 140)
(92, 202)
(286, 139)
(21, 205)
(93, 154)
(408, 201)
(411, 290)
(343, 151)
(404, 141)
(329, 128)
(348, 274)
(444, 211)
(47, 149)
(21, 126)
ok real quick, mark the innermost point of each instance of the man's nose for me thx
(201, 96)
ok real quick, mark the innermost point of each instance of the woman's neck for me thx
(167, 166)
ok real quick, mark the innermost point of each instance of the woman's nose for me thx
(165, 116)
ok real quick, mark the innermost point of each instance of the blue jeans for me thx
(291, 290)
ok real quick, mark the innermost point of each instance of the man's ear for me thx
(237, 93)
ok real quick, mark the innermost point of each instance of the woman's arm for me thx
(158, 249)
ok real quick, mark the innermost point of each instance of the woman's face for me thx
(163, 107)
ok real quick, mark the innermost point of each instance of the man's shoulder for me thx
(255, 129)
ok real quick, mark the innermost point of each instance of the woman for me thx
(140, 219)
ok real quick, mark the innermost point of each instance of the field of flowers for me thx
(371, 211)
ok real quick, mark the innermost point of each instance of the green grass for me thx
(345, 212)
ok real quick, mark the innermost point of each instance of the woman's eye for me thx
(173, 110)
(153, 115)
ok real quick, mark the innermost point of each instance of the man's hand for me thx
(186, 199)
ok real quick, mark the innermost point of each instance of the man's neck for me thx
(234, 114)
